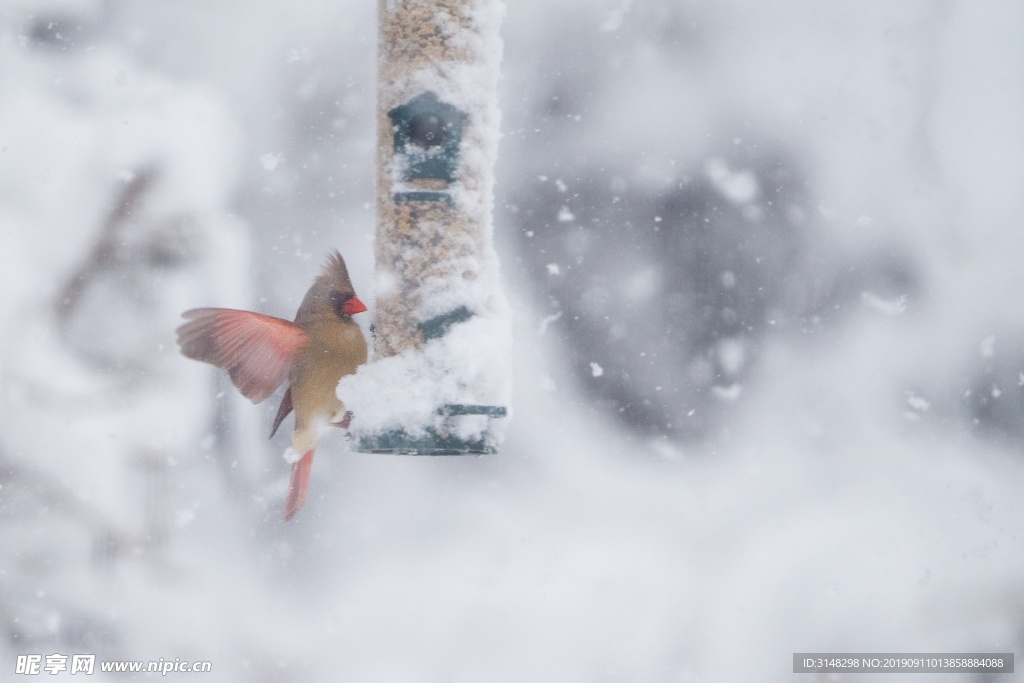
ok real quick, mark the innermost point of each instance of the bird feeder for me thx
(438, 383)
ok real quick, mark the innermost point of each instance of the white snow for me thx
(739, 187)
(732, 354)
(466, 366)
(102, 450)
(613, 19)
(271, 160)
(642, 285)
(987, 347)
(917, 403)
(548, 319)
(890, 307)
(728, 393)
(596, 370)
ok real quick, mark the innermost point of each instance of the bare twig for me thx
(104, 251)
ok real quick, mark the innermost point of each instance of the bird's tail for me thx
(299, 484)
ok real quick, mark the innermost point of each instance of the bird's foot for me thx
(344, 422)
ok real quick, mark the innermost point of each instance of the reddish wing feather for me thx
(256, 350)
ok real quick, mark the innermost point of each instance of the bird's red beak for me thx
(353, 306)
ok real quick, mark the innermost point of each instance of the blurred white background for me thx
(769, 367)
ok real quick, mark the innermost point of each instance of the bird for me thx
(313, 353)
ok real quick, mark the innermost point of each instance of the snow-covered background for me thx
(765, 260)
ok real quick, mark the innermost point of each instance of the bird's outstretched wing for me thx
(256, 350)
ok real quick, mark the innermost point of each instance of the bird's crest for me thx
(336, 273)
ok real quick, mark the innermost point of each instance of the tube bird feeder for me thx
(438, 383)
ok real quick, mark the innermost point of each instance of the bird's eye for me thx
(338, 301)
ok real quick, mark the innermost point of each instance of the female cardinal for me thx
(313, 353)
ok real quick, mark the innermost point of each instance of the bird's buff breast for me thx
(329, 355)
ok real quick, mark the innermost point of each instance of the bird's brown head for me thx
(331, 294)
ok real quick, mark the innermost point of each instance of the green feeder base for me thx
(400, 442)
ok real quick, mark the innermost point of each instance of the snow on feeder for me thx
(439, 382)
